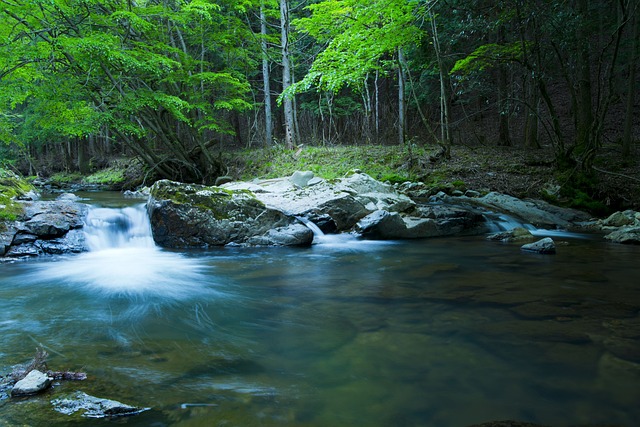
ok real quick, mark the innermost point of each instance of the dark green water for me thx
(442, 332)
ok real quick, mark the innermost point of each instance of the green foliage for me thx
(488, 56)
(579, 191)
(359, 40)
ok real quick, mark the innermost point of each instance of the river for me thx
(443, 332)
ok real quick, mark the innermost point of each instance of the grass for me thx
(384, 163)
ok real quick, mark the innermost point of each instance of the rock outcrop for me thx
(197, 216)
(622, 227)
(45, 227)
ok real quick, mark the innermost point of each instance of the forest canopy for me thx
(177, 83)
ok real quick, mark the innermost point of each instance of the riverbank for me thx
(510, 170)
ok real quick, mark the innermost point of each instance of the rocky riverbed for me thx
(274, 212)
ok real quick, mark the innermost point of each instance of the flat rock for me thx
(93, 407)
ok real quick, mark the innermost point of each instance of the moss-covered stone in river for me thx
(217, 200)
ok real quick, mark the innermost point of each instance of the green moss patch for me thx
(11, 186)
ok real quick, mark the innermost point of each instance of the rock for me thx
(427, 221)
(544, 246)
(620, 219)
(33, 383)
(627, 235)
(345, 201)
(46, 227)
(535, 212)
(93, 407)
(382, 224)
(197, 216)
(513, 235)
(301, 179)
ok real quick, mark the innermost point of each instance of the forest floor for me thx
(615, 184)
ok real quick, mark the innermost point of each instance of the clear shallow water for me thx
(440, 332)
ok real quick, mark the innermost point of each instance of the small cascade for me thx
(108, 228)
(502, 222)
(317, 233)
(124, 260)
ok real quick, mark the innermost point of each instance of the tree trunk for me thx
(631, 86)
(584, 108)
(402, 107)
(268, 121)
(83, 158)
(289, 120)
(445, 136)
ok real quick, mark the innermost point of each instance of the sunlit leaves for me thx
(362, 33)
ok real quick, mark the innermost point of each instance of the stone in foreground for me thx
(544, 246)
(33, 383)
(93, 407)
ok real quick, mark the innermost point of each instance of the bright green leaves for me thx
(359, 35)
(488, 56)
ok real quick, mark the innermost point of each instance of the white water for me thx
(124, 260)
(503, 222)
(340, 241)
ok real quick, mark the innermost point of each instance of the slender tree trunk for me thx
(289, 120)
(631, 86)
(584, 107)
(377, 106)
(444, 93)
(268, 121)
(402, 107)
(83, 158)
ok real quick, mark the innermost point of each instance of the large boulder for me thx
(197, 216)
(425, 221)
(335, 205)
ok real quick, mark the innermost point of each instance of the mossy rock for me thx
(11, 187)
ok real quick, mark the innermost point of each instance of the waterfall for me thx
(108, 228)
(124, 260)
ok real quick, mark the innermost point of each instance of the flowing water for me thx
(439, 332)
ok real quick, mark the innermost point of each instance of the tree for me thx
(365, 37)
(146, 72)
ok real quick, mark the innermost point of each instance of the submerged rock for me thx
(513, 235)
(33, 383)
(197, 216)
(93, 407)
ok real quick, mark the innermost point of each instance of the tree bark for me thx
(631, 86)
(402, 107)
(268, 121)
(289, 120)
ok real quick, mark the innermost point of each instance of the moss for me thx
(213, 199)
(386, 163)
(11, 186)
(109, 176)
(65, 178)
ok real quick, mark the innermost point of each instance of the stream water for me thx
(440, 332)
